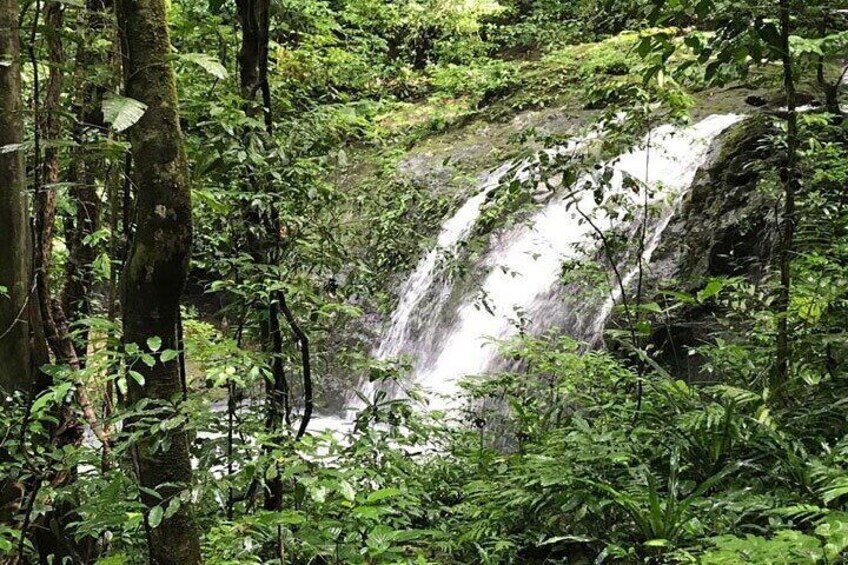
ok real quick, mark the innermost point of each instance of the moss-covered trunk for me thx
(157, 265)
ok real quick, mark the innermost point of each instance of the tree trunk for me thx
(253, 74)
(76, 293)
(791, 187)
(253, 55)
(49, 127)
(158, 262)
(22, 350)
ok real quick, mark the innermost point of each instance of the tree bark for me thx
(157, 265)
(15, 361)
(49, 127)
(79, 277)
(254, 20)
(22, 350)
(791, 187)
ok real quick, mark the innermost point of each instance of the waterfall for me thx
(521, 287)
(407, 316)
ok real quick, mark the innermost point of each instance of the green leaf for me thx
(173, 506)
(659, 542)
(41, 402)
(122, 385)
(208, 63)
(573, 539)
(168, 355)
(150, 492)
(347, 491)
(369, 511)
(122, 112)
(114, 559)
(155, 516)
(56, 394)
(380, 539)
(712, 289)
(284, 518)
(382, 494)
(154, 343)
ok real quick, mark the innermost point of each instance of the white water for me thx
(420, 283)
(525, 262)
(423, 294)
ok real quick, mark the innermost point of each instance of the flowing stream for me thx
(522, 286)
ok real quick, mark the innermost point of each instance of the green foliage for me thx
(572, 455)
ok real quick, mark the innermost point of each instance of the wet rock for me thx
(725, 228)
(755, 101)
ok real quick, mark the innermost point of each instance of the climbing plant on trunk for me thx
(254, 19)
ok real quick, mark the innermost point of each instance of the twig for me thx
(19, 317)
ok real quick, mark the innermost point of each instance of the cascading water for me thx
(413, 312)
(525, 263)
(408, 316)
(424, 293)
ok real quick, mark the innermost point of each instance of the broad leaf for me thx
(122, 112)
(208, 63)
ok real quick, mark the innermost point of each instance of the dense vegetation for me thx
(206, 212)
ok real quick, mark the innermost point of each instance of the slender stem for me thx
(791, 185)
(303, 340)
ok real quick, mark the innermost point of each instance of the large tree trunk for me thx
(15, 361)
(157, 266)
(21, 349)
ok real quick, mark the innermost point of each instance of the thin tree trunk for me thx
(79, 276)
(158, 263)
(791, 187)
(253, 74)
(830, 90)
(52, 315)
(49, 128)
(253, 20)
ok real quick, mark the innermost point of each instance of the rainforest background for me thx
(209, 211)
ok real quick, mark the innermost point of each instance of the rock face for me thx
(725, 227)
